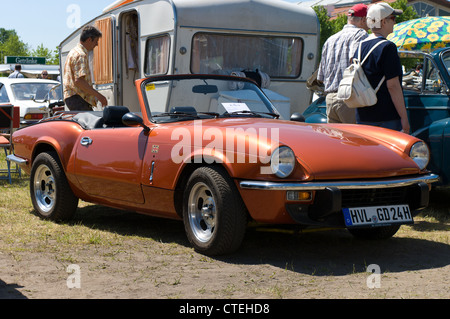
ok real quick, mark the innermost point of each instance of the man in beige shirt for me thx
(79, 94)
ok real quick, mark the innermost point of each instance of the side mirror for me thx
(131, 119)
(297, 117)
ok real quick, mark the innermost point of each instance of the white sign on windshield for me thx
(235, 107)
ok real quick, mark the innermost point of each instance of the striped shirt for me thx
(336, 54)
(77, 66)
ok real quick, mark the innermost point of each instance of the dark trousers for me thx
(77, 103)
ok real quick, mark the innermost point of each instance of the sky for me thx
(49, 22)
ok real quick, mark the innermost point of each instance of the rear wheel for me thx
(50, 192)
(383, 232)
(214, 214)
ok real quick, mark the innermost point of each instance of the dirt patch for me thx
(153, 259)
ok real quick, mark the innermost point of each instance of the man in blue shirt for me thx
(390, 110)
(16, 74)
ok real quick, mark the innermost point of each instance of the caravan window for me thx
(279, 57)
(157, 55)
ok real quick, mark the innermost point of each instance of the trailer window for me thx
(157, 55)
(279, 57)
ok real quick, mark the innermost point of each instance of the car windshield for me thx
(37, 91)
(175, 98)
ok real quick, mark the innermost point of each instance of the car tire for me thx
(50, 192)
(376, 233)
(214, 215)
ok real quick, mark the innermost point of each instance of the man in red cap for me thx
(337, 53)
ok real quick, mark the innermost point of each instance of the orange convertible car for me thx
(212, 151)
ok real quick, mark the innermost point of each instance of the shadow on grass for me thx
(9, 291)
(126, 223)
(323, 253)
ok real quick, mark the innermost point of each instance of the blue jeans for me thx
(393, 124)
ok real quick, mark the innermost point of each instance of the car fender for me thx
(58, 137)
(437, 137)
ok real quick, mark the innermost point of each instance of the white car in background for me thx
(31, 95)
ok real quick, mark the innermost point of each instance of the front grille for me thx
(374, 197)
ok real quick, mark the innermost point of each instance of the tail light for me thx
(34, 116)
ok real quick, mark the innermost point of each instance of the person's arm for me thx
(85, 87)
(395, 90)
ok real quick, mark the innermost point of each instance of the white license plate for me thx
(377, 215)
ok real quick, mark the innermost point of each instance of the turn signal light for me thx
(299, 196)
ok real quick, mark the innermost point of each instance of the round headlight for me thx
(420, 154)
(282, 162)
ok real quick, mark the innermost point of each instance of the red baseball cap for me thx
(358, 10)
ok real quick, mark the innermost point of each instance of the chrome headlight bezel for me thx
(282, 161)
(420, 154)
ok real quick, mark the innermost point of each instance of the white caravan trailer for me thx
(276, 40)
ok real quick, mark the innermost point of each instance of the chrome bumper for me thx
(357, 184)
(18, 160)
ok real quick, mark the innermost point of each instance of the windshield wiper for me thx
(186, 114)
(181, 114)
(254, 113)
(215, 114)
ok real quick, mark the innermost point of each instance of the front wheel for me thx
(214, 214)
(50, 192)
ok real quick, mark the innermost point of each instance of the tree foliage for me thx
(11, 45)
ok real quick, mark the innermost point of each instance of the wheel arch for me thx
(183, 177)
(43, 148)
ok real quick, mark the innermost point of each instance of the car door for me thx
(108, 163)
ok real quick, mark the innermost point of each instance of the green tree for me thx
(5, 34)
(338, 23)
(408, 12)
(11, 45)
(14, 46)
(52, 57)
(326, 28)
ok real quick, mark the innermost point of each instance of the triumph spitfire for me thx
(212, 151)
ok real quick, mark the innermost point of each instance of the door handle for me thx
(85, 141)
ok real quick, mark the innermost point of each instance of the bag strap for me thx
(365, 58)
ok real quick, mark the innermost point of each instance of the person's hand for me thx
(102, 99)
(405, 126)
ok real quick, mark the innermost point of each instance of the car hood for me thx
(324, 151)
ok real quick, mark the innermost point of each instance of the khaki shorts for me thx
(338, 111)
(77, 103)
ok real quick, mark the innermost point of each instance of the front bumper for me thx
(358, 184)
(330, 197)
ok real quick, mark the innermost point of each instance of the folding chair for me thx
(6, 130)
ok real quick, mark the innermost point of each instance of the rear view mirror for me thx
(297, 117)
(131, 119)
(205, 89)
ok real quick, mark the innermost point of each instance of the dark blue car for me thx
(426, 92)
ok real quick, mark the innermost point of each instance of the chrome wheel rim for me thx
(44, 189)
(202, 212)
